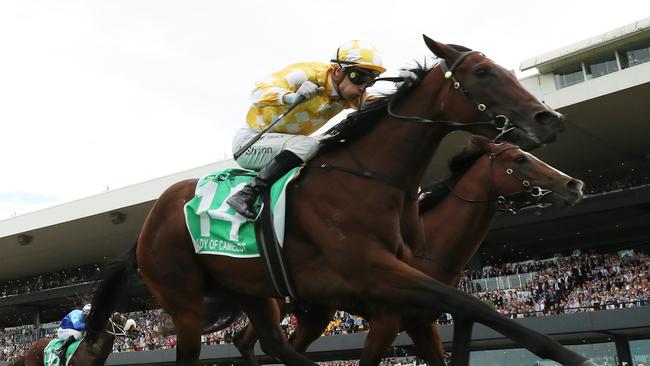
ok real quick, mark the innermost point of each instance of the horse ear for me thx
(440, 49)
(482, 142)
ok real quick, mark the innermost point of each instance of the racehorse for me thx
(92, 350)
(456, 214)
(336, 253)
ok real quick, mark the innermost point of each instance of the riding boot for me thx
(244, 201)
(64, 348)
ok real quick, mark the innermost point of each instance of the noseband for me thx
(499, 121)
(529, 196)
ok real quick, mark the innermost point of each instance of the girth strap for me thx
(271, 252)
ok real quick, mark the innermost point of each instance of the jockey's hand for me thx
(306, 91)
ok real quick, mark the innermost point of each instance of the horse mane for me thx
(361, 121)
(459, 164)
(115, 273)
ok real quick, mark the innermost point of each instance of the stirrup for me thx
(259, 212)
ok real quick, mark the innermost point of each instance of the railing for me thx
(567, 311)
(498, 283)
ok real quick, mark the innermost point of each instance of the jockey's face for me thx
(346, 88)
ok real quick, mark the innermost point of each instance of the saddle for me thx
(216, 229)
(51, 352)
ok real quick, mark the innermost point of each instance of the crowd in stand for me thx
(50, 280)
(628, 178)
(507, 269)
(586, 282)
(578, 283)
(12, 343)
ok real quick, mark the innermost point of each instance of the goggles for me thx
(360, 76)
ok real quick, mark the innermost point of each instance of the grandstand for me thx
(601, 84)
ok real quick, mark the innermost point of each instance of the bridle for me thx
(116, 329)
(499, 121)
(529, 196)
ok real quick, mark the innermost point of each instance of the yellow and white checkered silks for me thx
(359, 53)
(306, 117)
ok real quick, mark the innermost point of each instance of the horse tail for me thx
(115, 278)
(220, 317)
(217, 315)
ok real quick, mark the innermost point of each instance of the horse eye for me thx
(481, 71)
(521, 159)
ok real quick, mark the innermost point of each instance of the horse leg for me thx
(179, 290)
(245, 341)
(311, 324)
(383, 331)
(428, 343)
(394, 282)
(462, 339)
(188, 324)
(265, 317)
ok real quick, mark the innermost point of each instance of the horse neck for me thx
(403, 149)
(101, 347)
(454, 229)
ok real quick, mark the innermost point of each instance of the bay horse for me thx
(336, 253)
(456, 215)
(93, 349)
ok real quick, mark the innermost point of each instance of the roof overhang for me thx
(620, 37)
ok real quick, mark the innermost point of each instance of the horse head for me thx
(121, 325)
(519, 179)
(491, 92)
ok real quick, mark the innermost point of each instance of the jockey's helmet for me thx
(86, 309)
(359, 55)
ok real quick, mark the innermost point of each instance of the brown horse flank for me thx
(337, 254)
(485, 178)
(93, 349)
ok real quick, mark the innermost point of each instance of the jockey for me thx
(325, 88)
(71, 329)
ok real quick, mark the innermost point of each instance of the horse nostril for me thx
(575, 185)
(548, 117)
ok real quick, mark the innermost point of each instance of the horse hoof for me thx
(588, 363)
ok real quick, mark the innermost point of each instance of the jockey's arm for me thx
(271, 92)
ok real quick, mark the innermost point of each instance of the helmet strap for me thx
(337, 83)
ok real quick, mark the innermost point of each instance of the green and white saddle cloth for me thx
(216, 228)
(50, 358)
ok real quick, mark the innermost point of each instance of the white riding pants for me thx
(270, 145)
(66, 333)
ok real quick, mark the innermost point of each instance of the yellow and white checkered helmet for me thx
(359, 54)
